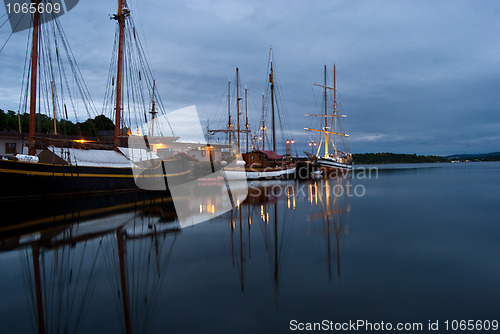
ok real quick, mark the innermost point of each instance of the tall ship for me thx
(336, 158)
(56, 164)
(259, 163)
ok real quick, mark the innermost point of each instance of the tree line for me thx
(390, 158)
(9, 121)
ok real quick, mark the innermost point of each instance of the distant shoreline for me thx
(399, 158)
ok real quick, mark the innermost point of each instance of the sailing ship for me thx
(262, 164)
(55, 166)
(258, 163)
(338, 162)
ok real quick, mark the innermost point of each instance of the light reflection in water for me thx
(275, 203)
(412, 240)
(131, 250)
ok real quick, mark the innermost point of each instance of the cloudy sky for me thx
(414, 76)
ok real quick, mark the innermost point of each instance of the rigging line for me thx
(80, 84)
(126, 93)
(84, 91)
(27, 64)
(110, 87)
(286, 221)
(109, 92)
(8, 19)
(60, 289)
(65, 80)
(142, 87)
(135, 80)
(146, 52)
(89, 289)
(54, 91)
(59, 71)
(10, 35)
(125, 105)
(114, 279)
(43, 278)
(285, 126)
(222, 116)
(142, 56)
(44, 61)
(27, 277)
(160, 280)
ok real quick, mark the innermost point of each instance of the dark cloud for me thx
(414, 76)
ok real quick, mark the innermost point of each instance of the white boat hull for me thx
(259, 175)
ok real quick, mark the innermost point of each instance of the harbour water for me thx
(403, 244)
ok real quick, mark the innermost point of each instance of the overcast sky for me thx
(414, 76)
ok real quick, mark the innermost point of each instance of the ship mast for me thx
(263, 125)
(246, 115)
(229, 129)
(38, 288)
(326, 119)
(238, 107)
(334, 111)
(271, 81)
(229, 111)
(120, 17)
(326, 116)
(123, 279)
(33, 83)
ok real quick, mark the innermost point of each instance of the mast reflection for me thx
(64, 259)
(271, 208)
(332, 197)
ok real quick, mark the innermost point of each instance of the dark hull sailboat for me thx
(49, 174)
(19, 178)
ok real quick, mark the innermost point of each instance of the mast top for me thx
(123, 11)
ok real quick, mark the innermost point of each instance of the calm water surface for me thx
(414, 243)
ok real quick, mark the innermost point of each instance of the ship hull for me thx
(18, 178)
(331, 168)
(270, 173)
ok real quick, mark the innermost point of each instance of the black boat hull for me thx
(19, 178)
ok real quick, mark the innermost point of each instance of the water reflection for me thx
(291, 250)
(334, 205)
(142, 254)
(63, 264)
(275, 208)
(79, 262)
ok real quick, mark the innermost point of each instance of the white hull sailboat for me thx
(270, 165)
(257, 164)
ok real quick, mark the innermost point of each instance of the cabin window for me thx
(10, 148)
